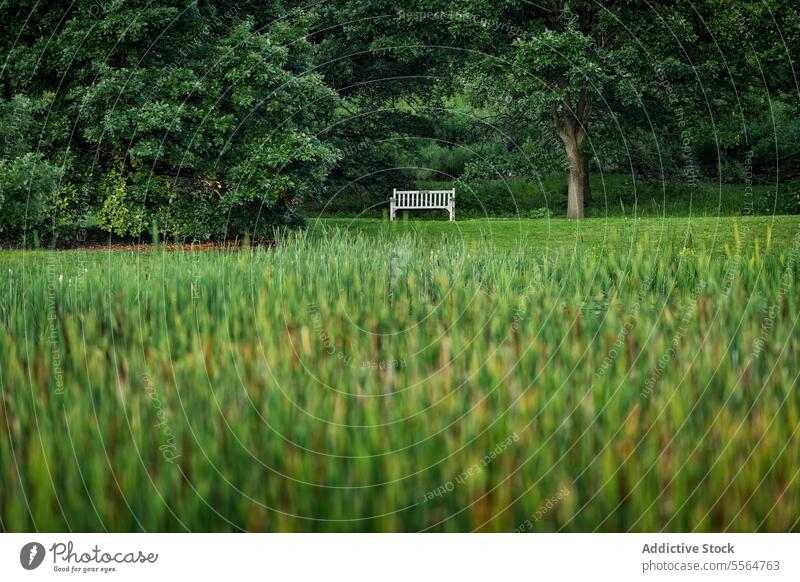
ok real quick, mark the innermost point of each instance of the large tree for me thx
(669, 68)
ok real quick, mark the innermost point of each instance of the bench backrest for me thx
(423, 198)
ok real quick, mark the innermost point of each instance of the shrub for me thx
(539, 213)
(120, 212)
(436, 161)
(496, 164)
(513, 197)
(786, 200)
(28, 186)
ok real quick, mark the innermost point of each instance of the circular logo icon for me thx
(31, 555)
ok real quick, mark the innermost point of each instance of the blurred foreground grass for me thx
(384, 377)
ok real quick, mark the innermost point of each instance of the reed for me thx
(345, 382)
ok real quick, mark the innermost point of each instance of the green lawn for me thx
(615, 195)
(538, 236)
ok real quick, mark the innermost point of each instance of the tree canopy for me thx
(217, 119)
(202, 116)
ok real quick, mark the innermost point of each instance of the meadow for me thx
(608, 375)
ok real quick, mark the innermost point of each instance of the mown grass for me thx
(716, 235)
(392, 381)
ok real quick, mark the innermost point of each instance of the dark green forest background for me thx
(215, 120)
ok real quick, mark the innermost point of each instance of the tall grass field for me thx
(345, 380)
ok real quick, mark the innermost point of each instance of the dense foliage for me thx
(212, 120)
(200, 116)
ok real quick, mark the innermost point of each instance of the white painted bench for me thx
(423, 200)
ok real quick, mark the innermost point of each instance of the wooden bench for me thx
(423, 200)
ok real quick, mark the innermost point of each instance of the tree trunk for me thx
(587, 187)
(576, 184)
